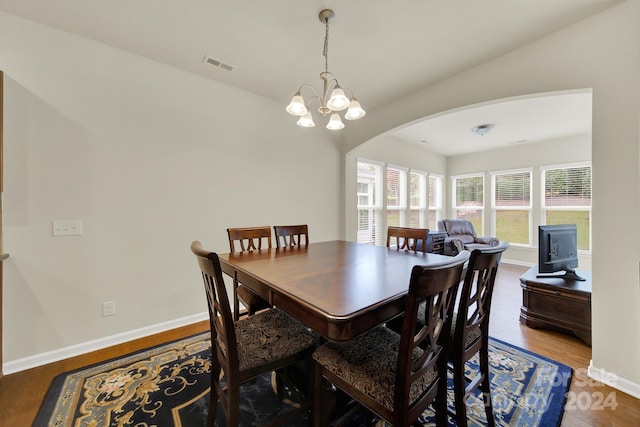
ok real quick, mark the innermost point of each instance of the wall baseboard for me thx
(29, 362)
(516, 262)
(609, 378)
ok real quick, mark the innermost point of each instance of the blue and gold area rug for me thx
(168, 385)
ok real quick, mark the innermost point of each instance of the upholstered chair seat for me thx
(369, 363)
(267, 337)
(472, 335)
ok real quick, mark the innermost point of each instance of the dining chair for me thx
(291, 235)
(470, 331)
(407, 238)
(245, 240)
(245, 349)
(397, 376)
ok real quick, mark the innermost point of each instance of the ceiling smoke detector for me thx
(482, 130)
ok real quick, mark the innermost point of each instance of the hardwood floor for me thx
(591, 404)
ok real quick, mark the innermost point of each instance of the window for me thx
(410, 199)
(369, 206)
(418, 194)
(468, 199)
(566, 199)
(435, 201)
(396, 196)
(512, 206)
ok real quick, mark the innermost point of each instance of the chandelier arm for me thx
(329, 84)
(328, 81)
(325, 91)
(316, 97)
(306, 85)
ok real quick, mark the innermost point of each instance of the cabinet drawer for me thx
(560, 293)
(566, 308)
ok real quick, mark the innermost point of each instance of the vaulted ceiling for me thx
(380, 49)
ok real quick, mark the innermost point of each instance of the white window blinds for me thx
(567, 199)
(512, 205)
(469, 200)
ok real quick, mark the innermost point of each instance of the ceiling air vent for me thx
(217, 63)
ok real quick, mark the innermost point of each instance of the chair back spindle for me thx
(407, 239)
(291, 235)
(249, 239)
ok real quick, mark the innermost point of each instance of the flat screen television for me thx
(558, 251)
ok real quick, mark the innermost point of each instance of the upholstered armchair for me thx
(461, 235)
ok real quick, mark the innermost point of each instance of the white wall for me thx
(394, 152)
(150, 158)
(601, 52)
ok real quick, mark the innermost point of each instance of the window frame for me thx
(581, 208)
(495, 208)
(438, 206)
(380, 208)
(454, 200)
(403, 186)
(422, 208)
(374, 208)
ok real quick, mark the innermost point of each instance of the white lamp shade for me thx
(296, 106)
(338, 100)
(334, 122)
(355, 111)
(306, 121)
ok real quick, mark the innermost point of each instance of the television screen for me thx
(558, 251)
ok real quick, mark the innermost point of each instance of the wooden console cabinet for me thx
(559, 304)
(435, 242)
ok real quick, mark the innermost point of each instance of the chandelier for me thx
(338, 101)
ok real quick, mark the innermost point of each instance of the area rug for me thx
(168, 386)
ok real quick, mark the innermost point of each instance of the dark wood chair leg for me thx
(440, 403)
(236, 304)
(233, 408)
(485, 386)
(213, 406)
(317, 408)
(310, 389)
(213, 395)
(459, 387)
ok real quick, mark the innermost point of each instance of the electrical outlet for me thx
(67, 227)
(108, 308)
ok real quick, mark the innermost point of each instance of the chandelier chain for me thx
(325, 51)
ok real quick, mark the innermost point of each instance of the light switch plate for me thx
(108, 308)
(67, 227)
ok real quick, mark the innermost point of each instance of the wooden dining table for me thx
(337, 288)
